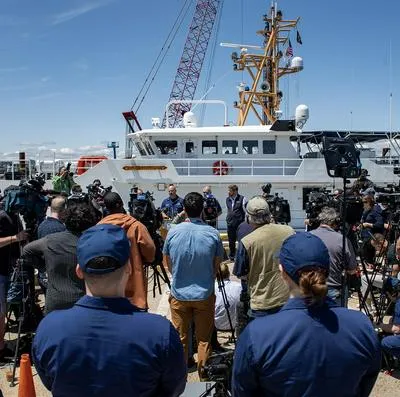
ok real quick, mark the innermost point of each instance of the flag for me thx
(289, 50)
(299, 38)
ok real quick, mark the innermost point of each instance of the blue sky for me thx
(68, 68)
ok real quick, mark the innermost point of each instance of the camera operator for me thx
(212, 208)
(329, 223)
(142, 247)
(311, 347)
(256, 259)
(63, 181)
(59, 253)
(371, 223)
(11, 234)
(362, 183)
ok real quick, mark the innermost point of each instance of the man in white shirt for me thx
(233, 290)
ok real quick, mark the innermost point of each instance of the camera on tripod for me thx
(96, 191)
(219, 369)
(278, 206)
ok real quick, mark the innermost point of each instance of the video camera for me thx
(142, 208)
(29, 200)
(96, 191)
(278, 206)
(219, 368)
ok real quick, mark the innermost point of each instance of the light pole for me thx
(114, 146)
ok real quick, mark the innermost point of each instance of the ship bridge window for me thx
(229, 147)
(209, 147)
(250, 147)
(167, 147)
(189, 147)
(269, 147)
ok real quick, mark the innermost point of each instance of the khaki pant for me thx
(202, 313)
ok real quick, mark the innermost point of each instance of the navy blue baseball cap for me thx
(303, 250)
(103, 240)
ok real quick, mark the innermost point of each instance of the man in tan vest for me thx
(257, 260)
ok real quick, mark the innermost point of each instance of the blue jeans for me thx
(336, 295)
(391, 345)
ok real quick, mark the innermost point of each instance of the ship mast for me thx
(263, 96)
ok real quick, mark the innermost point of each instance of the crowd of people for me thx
(98, 338)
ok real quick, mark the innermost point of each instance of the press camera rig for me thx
(279, 206)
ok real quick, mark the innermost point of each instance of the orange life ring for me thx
(220, 167)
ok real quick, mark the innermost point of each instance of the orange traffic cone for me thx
(26, 386)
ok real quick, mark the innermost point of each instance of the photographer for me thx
(63, 181)
(10, 237)
(59, 253)
(329, 222)
(142, 247)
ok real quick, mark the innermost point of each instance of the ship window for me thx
(210, 147)
(229, 147)
(250, 147)
(189, 147)
(167, 147)
(269, 147)
(148, 147)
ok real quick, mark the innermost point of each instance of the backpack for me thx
(210, 208)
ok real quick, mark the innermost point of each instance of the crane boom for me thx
(191, 62)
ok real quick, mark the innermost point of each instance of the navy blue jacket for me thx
(106, 347)
(172, 207)
(373, 216)
(327, 351)
(49, 226)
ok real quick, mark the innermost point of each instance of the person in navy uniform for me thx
(172, 205)
(236, 207)
(104, 346)
(312, 347)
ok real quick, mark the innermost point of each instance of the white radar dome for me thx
(302, 115)
(297, 63)
(189, 120)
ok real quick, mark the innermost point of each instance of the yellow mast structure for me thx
(263, 97)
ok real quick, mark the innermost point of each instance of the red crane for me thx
(191, 63)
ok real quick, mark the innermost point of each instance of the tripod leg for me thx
(20, 321)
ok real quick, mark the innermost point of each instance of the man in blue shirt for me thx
(311, 347)
(104, 346)
(172, 205)
(391, 344)
(193, 251)
(52, 223)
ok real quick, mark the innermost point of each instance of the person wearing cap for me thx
(193, 252)
(329, 222)
(362, 183)
(142, 247)
(104, 346)
(311, 347)
(257, 263)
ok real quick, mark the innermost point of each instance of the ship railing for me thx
(236, 167)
